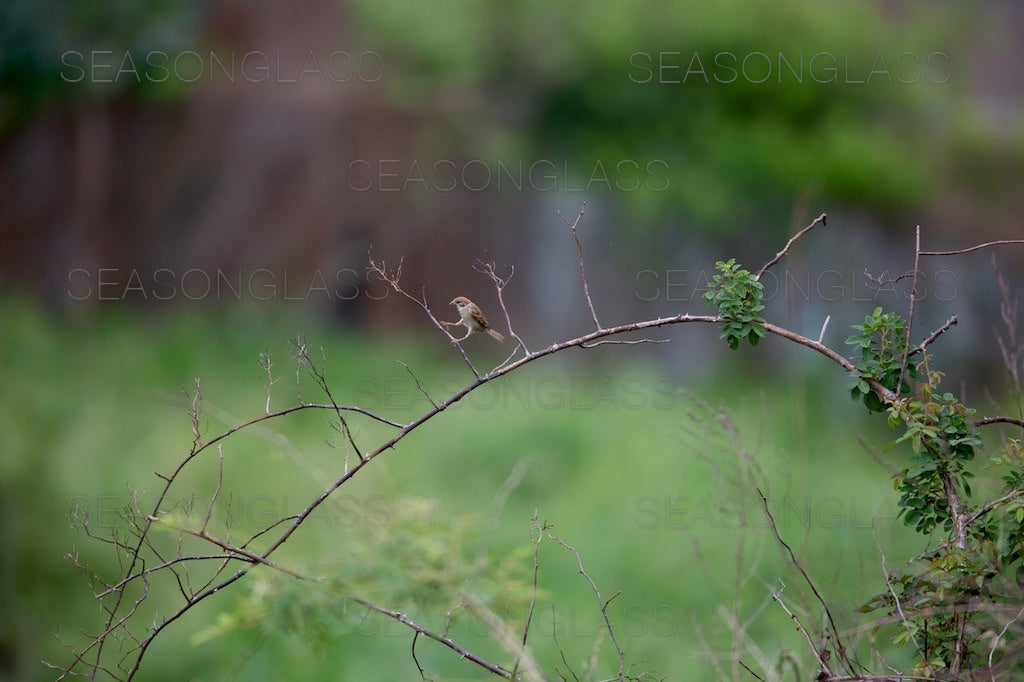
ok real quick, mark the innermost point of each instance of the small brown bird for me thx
(472, 318)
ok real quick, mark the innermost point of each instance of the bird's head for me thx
(460, 302)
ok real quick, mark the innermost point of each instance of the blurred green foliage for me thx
(774, 103)
(747, 104)
(47, 49)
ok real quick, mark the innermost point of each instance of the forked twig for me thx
(533, 595)
(951, 322)
(488, 267)
(883, 279)
(393, 279)
(418, 384)
(602, 603)
(777, 598)
(990, 505)
(821, 600)
(320, 375)
(267, 366)
(243, 553)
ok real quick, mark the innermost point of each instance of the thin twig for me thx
(824, 327)
(561, 651)
(792, 240)
(194, 411)
(989, 506)
(267, 366)
(489, 268)
(579, 252)
(533, 595)
(320, 374)
(159, 567)
(602, 603)
(956, 513)
(393, 279)
(416, 636)
(807, 579)
(251, 556)
(892, 591)
(418, 384)
(799, 626)
(451, 644)
(884, 280)
(910, 312)
(505, 637)
(957, 252)
(832, 355)
(951, 322)
(1010, 347)
(216, 491)
(744, 665)
(995, 643)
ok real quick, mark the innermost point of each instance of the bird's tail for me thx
(496, 335)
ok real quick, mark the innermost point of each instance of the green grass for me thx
(94, 407)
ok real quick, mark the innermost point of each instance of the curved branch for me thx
(1000, 420)
(792, 240)
(999, 242)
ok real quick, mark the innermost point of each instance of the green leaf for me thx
(873, 402)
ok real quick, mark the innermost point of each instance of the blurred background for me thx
(188, 184)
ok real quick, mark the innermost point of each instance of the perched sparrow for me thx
(472, 318)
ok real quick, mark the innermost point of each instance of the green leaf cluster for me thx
(880, 340)
(737, 295)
